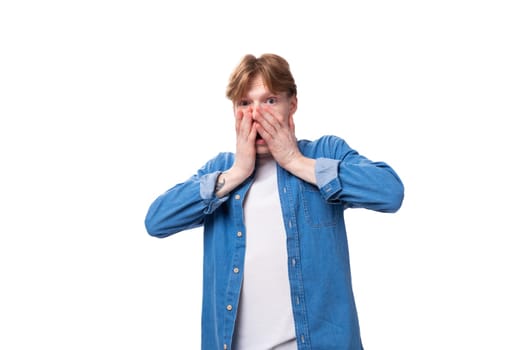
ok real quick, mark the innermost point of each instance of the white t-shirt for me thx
(265, 318)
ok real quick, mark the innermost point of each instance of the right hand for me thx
(245, 155)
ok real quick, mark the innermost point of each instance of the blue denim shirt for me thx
(322, 299)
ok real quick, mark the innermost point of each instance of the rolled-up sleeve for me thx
(207, 192)
(326, 175)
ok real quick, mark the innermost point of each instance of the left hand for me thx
(279, 134)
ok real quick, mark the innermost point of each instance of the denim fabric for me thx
(322, 299)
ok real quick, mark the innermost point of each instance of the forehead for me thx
(257, 87)
(257, 82)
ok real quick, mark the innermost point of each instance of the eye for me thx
(243, 103)
(271, 100)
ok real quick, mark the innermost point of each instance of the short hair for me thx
(275, 72)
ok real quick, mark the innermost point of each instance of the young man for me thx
(276, 264)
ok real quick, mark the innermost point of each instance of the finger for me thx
(238, 118)
(246, 123)
(266, 136)
(253, 133)
(272, 115)
(267, 121)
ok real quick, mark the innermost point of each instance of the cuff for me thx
(326, 176)
(207, 192)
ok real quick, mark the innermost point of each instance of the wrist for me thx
(228, 181)
(302, 167)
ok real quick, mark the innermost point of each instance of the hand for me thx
(279, 134)
(245, 155)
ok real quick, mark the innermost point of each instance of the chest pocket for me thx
(317, 211)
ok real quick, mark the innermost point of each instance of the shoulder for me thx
(323, 140)
(222, 161)
(326, 146)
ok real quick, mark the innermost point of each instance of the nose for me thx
(257, 106)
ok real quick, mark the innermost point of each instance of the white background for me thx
(106, 104)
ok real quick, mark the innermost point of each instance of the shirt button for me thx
(229, 308)
(237, 196)
(236, 270)
(239, 234)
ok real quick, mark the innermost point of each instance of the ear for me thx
(291, 124)
(293, 109)
(293, 105)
